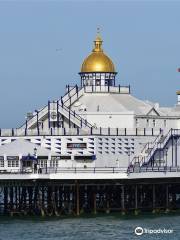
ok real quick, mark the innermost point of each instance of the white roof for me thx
(110, 102)
(24, 147)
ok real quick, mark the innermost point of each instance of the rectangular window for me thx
(54, 163)
(1, 163)
(43, 163)
(13, 163)
(9, 163)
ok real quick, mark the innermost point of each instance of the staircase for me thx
(64, 103)
(150, 149)
(74, 117)
(71, 96)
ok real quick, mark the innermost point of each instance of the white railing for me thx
(56, 170)
(141, 158)
(158, 145)
(111, 89)
(145, 156)
(79, 131)
(73, 94)
(78, 120)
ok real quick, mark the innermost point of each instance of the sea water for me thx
(106, 227)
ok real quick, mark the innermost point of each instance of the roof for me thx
(107, 102)
(24, 147)
(110, 102)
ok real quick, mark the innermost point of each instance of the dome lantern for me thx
(97, 69)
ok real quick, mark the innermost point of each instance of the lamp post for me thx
(35, 156)
(129, 155)
(37, 116)
(35, 152)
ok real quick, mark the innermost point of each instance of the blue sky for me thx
(141, 37)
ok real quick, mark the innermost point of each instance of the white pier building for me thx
(98, 129)
(95, 149)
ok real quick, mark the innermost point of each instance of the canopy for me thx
(29, 157)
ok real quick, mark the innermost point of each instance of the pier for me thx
(78, 197)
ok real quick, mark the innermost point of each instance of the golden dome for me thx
(97, 61)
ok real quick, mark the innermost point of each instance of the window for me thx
(1, 163)
(54, 163)
(98, 76)
(43, 163)
(154, 122)
(98, 82)
(13, 163)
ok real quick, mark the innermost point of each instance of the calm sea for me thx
(89, 228)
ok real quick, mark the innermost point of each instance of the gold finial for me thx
(98, 42)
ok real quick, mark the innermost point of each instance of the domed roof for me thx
(97, 61)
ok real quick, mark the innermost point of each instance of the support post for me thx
(69, 118)
(57, 114)
(77, 198)
(26, 128)
(49, 114)
(122, 200)
(167, 198)
(154, 198)
(94, 202)
(136, 200)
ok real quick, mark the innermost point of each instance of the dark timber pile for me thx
(68, 197)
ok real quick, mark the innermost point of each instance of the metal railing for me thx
(107, 89)
(92, 170)
(158, 145)
(72, 95)
(143, 154)
(56, 170)
(153, 147)
(85, 131)
(153, 169)
(72, 91)
(81, 121)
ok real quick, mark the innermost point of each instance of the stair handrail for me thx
(40, 111)
(146, 146)
(159, 145)
(77, 116)
(142, 153)
(78, 88)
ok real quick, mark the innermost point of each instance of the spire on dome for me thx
(98, 42)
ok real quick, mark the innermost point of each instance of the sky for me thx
(43, 44)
